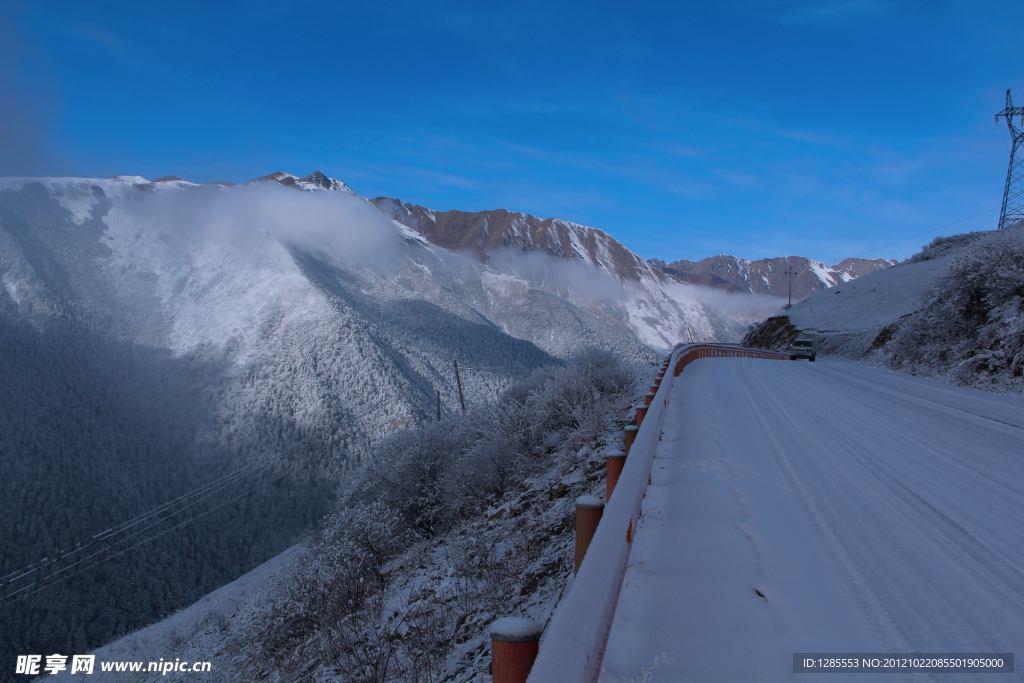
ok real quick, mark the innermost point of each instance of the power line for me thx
(147, 521)
(124, 526)
(7, 599)
(142, 523)
(910, 237)
(43, 564)
(501, 372)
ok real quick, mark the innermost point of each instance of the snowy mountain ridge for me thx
(768, 276)
(564, 257)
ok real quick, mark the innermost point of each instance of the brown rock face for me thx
(483, 232)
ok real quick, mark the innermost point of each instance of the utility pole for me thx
(1013, 195)
(790, 272)
(458, 383)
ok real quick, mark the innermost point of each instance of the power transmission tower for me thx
(790, 272)
(1013, 195)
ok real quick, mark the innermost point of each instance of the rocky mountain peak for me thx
(314, 181)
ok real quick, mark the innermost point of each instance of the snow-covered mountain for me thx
(767, 276)
(157, 336)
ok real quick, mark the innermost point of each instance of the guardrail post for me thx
(648, 397)
(588, 515)
(614, 460)
(641, 413)
(629, 437)
(514, 646)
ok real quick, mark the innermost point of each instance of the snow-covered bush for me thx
(971, 327)
(342, 610)
(445, 472)
(942, 246)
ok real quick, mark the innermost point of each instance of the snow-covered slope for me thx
(868, 303)
(954, 311)
(157, 336)
(846, 320)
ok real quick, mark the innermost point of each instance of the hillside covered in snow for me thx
(954, 311)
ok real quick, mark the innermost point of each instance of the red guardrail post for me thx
(641, 413)
(514, 647)
(614, 460)
(588, 515)
(629, 437)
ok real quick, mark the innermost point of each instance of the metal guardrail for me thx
(574, 642)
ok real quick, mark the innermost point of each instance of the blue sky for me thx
(684, 129)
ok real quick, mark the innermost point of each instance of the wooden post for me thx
(648, 397)
(588, 515)
(458, 382)
(630, 437)
(641, 413)
(614, 460)
(514, 646)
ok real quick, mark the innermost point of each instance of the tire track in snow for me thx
(906, 520)
(780, 442)
(745, 525)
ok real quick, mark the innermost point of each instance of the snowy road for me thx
(825, 507)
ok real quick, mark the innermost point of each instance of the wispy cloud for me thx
(97, 34)
(808, 11)
(812, 137)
